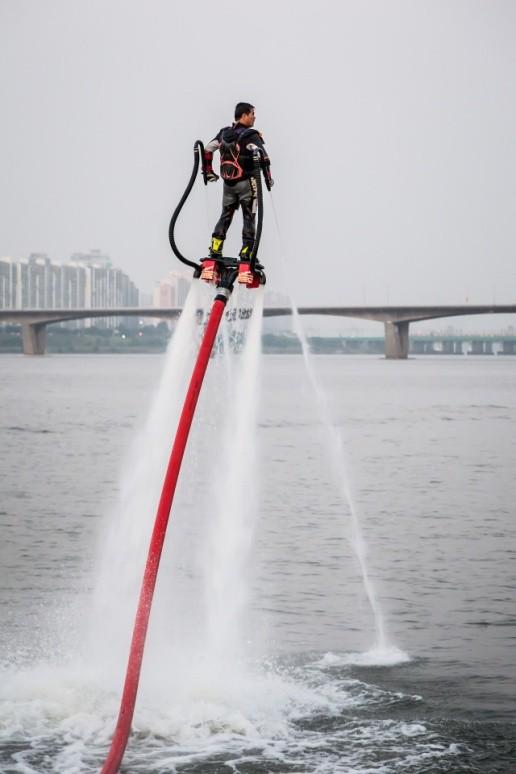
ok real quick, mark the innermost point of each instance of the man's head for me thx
(244, 114)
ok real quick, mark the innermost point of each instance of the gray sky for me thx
(391, 128)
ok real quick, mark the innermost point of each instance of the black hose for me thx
(266, 169)
(259, 198)
(198, 153)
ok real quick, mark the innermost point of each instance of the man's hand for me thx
(211, 177)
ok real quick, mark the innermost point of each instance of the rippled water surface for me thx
(431, 448)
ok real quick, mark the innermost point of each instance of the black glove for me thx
(211, 177)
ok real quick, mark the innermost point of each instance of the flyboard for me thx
(223, 273)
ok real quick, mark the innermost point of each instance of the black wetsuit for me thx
(240, 192)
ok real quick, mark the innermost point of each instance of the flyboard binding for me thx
(249, 275)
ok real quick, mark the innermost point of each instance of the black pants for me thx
(241, 194)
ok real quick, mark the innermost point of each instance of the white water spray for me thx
(125, 544)
(338, 459)
(339, 462)
(234, 494)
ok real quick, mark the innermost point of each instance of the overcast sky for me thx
(391, 127)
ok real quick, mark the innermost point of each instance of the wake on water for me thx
(202, 701)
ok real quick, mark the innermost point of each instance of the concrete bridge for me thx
(396, 319)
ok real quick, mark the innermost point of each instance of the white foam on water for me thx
(386, 656)
(249, 714)
(206, 708)
(254, 713)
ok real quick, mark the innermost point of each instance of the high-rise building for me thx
(73, 286)
(27, 284)
(38, 270)
(172, 290)
(95, 256)
(8, 283)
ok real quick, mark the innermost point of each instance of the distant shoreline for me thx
(152, 339)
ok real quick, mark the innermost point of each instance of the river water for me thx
(431, 452)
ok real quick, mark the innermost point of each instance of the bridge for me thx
(396, 319)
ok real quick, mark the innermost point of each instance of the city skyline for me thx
(86, 280)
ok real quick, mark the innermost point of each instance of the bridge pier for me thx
(396, 340)
(34, 338)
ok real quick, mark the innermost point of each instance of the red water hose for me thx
(132, 678)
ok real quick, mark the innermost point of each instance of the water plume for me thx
(127, 533)
(234, 492)
(338, 460)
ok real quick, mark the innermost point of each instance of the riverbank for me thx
(150, 339)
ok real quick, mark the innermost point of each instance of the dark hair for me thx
(243, 108)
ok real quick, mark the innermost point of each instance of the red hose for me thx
(132, 678)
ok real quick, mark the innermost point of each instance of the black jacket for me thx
(245, 136)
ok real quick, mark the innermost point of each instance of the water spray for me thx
(339, 462)
(223, 273)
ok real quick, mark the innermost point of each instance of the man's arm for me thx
(213, 145)
(207, 161)
(257, 139)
